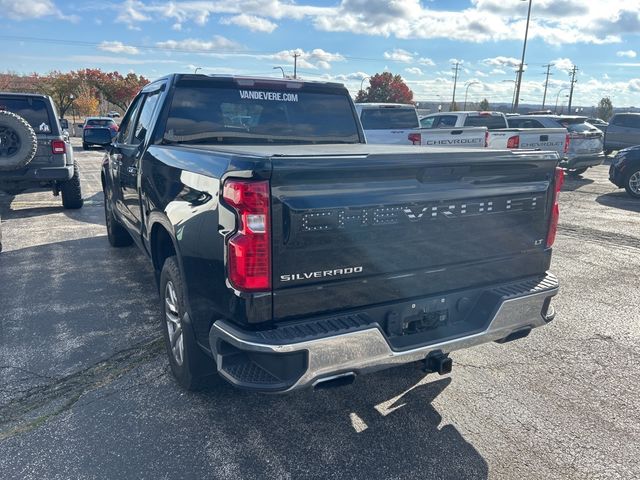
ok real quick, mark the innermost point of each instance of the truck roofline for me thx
(174, 77)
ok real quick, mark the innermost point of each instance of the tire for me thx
(608, 152)
(85, 146)
(72, 191)
(116, 233)
(632, 183)
(578, 171)
(18, 142)
(191, 367)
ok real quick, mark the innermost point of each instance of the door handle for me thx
(132, 170)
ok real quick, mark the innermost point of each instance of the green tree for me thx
(386, 87)
(484, 105)
(605, 108)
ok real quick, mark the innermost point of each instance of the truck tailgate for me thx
(357, 230)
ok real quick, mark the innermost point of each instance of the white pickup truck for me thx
(391, 123)
(499, 135)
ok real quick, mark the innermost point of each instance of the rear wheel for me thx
(85, 146)
(72, 191)
(632, 185)
(116, 233)
(191, 367)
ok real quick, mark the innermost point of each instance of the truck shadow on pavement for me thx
(375, 428)
(572, 183)
(86, 214)
(619, 200)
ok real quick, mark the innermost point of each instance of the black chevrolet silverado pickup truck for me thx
(288, 253)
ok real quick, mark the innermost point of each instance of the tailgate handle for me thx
(456, 132)
(544, 138)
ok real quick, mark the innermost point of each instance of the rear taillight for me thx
(249, 250)
(555, 210)
(58, 146)
(513, 142)
(415, 138)
(567, 141)
(486, 139)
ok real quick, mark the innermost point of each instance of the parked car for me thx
(288, 253)
(624, 171)
(491, 120)
(98, 131)
(623, 131)
(34, 150)
(598, 123)
(113, 114)
(584, 142)
(388, 123)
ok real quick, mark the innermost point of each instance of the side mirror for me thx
(64, 124)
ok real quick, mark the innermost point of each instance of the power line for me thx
(546, 83)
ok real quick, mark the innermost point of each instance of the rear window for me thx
(33, 110)
(489, 121)
(524, 123)
(212, 113)
(100, 122)
(631, 121)
(577, 125)
(389, 118)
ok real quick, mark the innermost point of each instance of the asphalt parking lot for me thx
(85, 390)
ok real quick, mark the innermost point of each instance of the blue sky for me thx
(342, 40)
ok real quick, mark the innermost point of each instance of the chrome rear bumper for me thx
(366, 349)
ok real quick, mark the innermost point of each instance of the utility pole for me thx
(455, 83)
(546, 84)
(521, 69)
(573, 81)
(295, 64)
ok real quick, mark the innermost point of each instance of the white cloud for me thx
(218, 43)
(399, 55)
(314, 59)
(118, 47)
(414, 71)
(426, 61)
(501, 61)
(626, 53)
(563, 64)
(498, 71)
(554, 21)
(94, 60)
(253, 23)
(30, 9)
(481, 74)
(634, 85)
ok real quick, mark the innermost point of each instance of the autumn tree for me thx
(63, 88)
(484, 105)
(386, 87)
(605, 108)
(86, 103)
(117, 89)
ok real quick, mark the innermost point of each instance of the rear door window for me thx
(389, 118)
(633, 121)
(427, 122)
(144, 120)
(33, 110)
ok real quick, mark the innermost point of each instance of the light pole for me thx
(466, 92)
(555, 110)
(362, 81)
(282, 70)
(524, 50)
(196, 70)
(513, 97)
